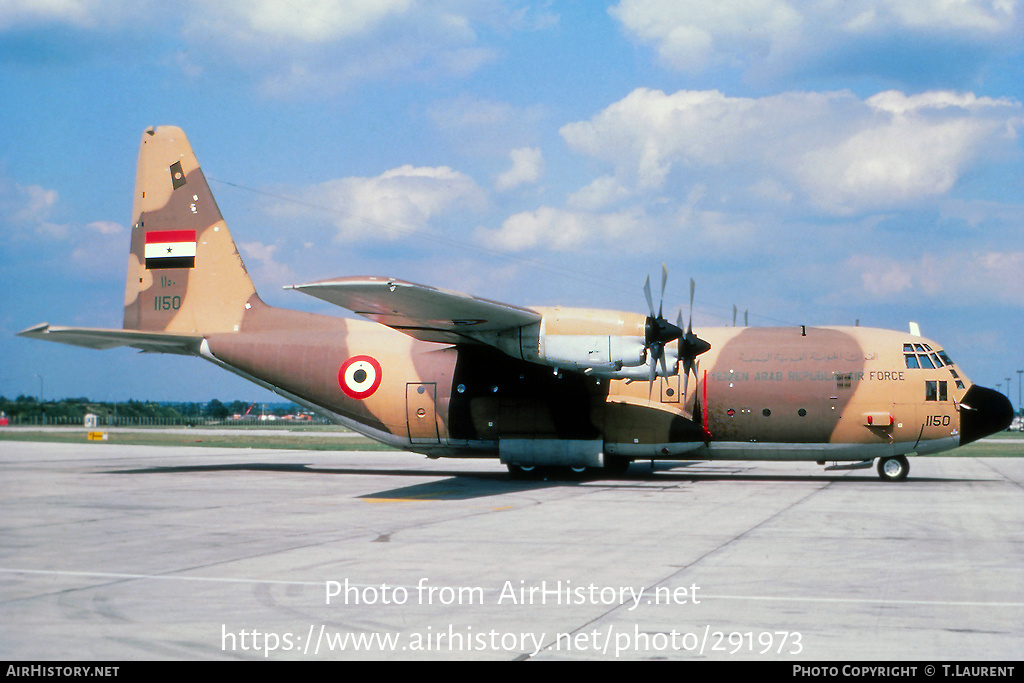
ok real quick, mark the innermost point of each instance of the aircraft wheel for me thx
(616, 467)
(895, 468)
(568, 473)
(523, 471)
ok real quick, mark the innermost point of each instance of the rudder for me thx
(184, 271)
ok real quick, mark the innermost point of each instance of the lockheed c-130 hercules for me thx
(447, 374)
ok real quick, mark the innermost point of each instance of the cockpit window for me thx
(922, 356)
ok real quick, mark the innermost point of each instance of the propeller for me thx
(690, 345)
(658, 331)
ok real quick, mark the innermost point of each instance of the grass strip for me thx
(182, 437)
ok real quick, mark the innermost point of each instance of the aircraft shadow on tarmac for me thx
(461, 485)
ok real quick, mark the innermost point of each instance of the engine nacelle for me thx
(553, 342)
(607, 356)
(582, 352)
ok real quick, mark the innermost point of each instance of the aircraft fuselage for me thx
(799, 393)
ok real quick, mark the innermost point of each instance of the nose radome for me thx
(982, 412)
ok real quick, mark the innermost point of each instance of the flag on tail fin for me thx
(170, 249)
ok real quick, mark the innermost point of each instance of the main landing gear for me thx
(613, 467)
(894, 468)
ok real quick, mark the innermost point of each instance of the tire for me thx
(523, 471)
(570, 473)
(616, 467)
(895, 468)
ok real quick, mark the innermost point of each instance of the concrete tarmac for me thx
(131, 553)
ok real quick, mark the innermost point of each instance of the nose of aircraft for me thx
(983, 412)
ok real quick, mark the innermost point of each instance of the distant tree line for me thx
(72, 410)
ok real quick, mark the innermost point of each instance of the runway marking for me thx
(758, 598)
(420, 498)
(165, 577)
(941, 603)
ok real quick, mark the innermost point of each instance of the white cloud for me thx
(267, 267)
(184, 63)
(895, 102)
(890, 164)
(602, 192)
(527, 168)
(692, 34)
(100, 249)
(477, 125)
(983, 16)
(75, 12)
(646, 132)
(883, 277)
(832, 151)
(396, 203)
(560, 230)
(322, 47)
(952, 279)
(95, 249)
(308, 47)
(770, 37)
(251, 21)
(27, 209)
(1004, 217)
(301, 21)
(105, 227)
(35, 203)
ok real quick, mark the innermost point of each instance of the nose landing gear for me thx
(895, 468)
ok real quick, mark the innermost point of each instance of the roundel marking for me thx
(359, 376)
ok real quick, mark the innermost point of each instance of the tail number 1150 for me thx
(166, 303)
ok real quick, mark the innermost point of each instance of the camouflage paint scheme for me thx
(804, 393)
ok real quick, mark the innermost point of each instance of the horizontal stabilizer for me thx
(99, 338)
(419, 311)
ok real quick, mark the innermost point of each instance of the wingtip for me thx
(35, 330)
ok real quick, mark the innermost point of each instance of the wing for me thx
(99, 338)
(419, 311)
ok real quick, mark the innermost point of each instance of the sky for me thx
(818, 163)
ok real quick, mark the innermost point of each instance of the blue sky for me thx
(813, 163)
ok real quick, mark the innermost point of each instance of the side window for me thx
(935, 391)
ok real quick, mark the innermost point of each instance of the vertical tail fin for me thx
(184, 271)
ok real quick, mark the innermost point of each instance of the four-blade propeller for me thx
(658, 332)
